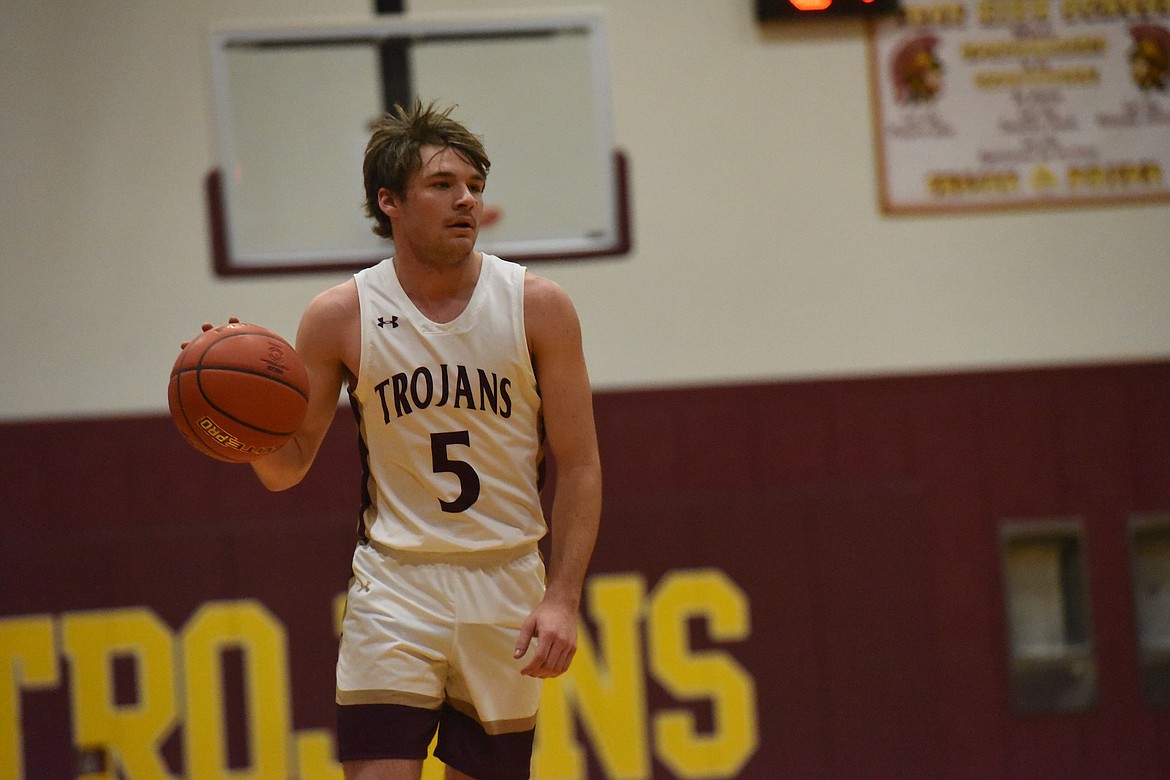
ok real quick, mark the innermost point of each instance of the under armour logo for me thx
(392, 322)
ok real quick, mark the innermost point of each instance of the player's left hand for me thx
(554, 627)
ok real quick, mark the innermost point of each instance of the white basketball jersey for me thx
(449, 418)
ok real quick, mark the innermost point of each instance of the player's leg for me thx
(383, 769)
(452, 773)
(487, 725)
(391, 669)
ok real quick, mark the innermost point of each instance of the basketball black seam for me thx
(235, 419)
(191, 426)
(200, 366)
(249, 371)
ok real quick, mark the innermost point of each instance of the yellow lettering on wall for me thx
(28, 659)
(609, 693)
(315, 756)
(251, 628)
(129, 734)
(603, 693)
(557, 755)
(711, 674)
(433, 768)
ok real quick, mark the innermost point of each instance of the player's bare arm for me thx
(328, 344)
(554, 337)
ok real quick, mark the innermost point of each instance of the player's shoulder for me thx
(331, 315)
(540, 291)
(339, 301)
(330, 325)
(548, 310)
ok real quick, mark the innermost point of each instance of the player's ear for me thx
(388, 202)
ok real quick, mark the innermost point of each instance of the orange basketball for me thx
(238, 392)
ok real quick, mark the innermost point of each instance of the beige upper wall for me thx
(760, 252)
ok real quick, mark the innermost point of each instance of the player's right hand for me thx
(206, 327)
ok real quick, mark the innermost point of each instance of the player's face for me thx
(438, 217)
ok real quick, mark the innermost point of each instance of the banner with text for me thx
(1002, 103)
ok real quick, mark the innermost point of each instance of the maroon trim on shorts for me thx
(369, 731)
(464, 745)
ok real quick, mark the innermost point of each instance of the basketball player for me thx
(460, 368)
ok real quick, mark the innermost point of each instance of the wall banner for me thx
(1002, 103)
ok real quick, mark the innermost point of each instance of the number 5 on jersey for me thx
(442, 462)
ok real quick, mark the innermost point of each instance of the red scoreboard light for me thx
(774, 10)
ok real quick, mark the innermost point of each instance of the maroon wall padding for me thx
(861, 517)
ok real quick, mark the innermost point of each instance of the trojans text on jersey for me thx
(405, 393)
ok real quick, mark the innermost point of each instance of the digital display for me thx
(773, 10)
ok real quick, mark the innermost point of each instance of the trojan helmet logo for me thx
(1149, 57)
(917, 71)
